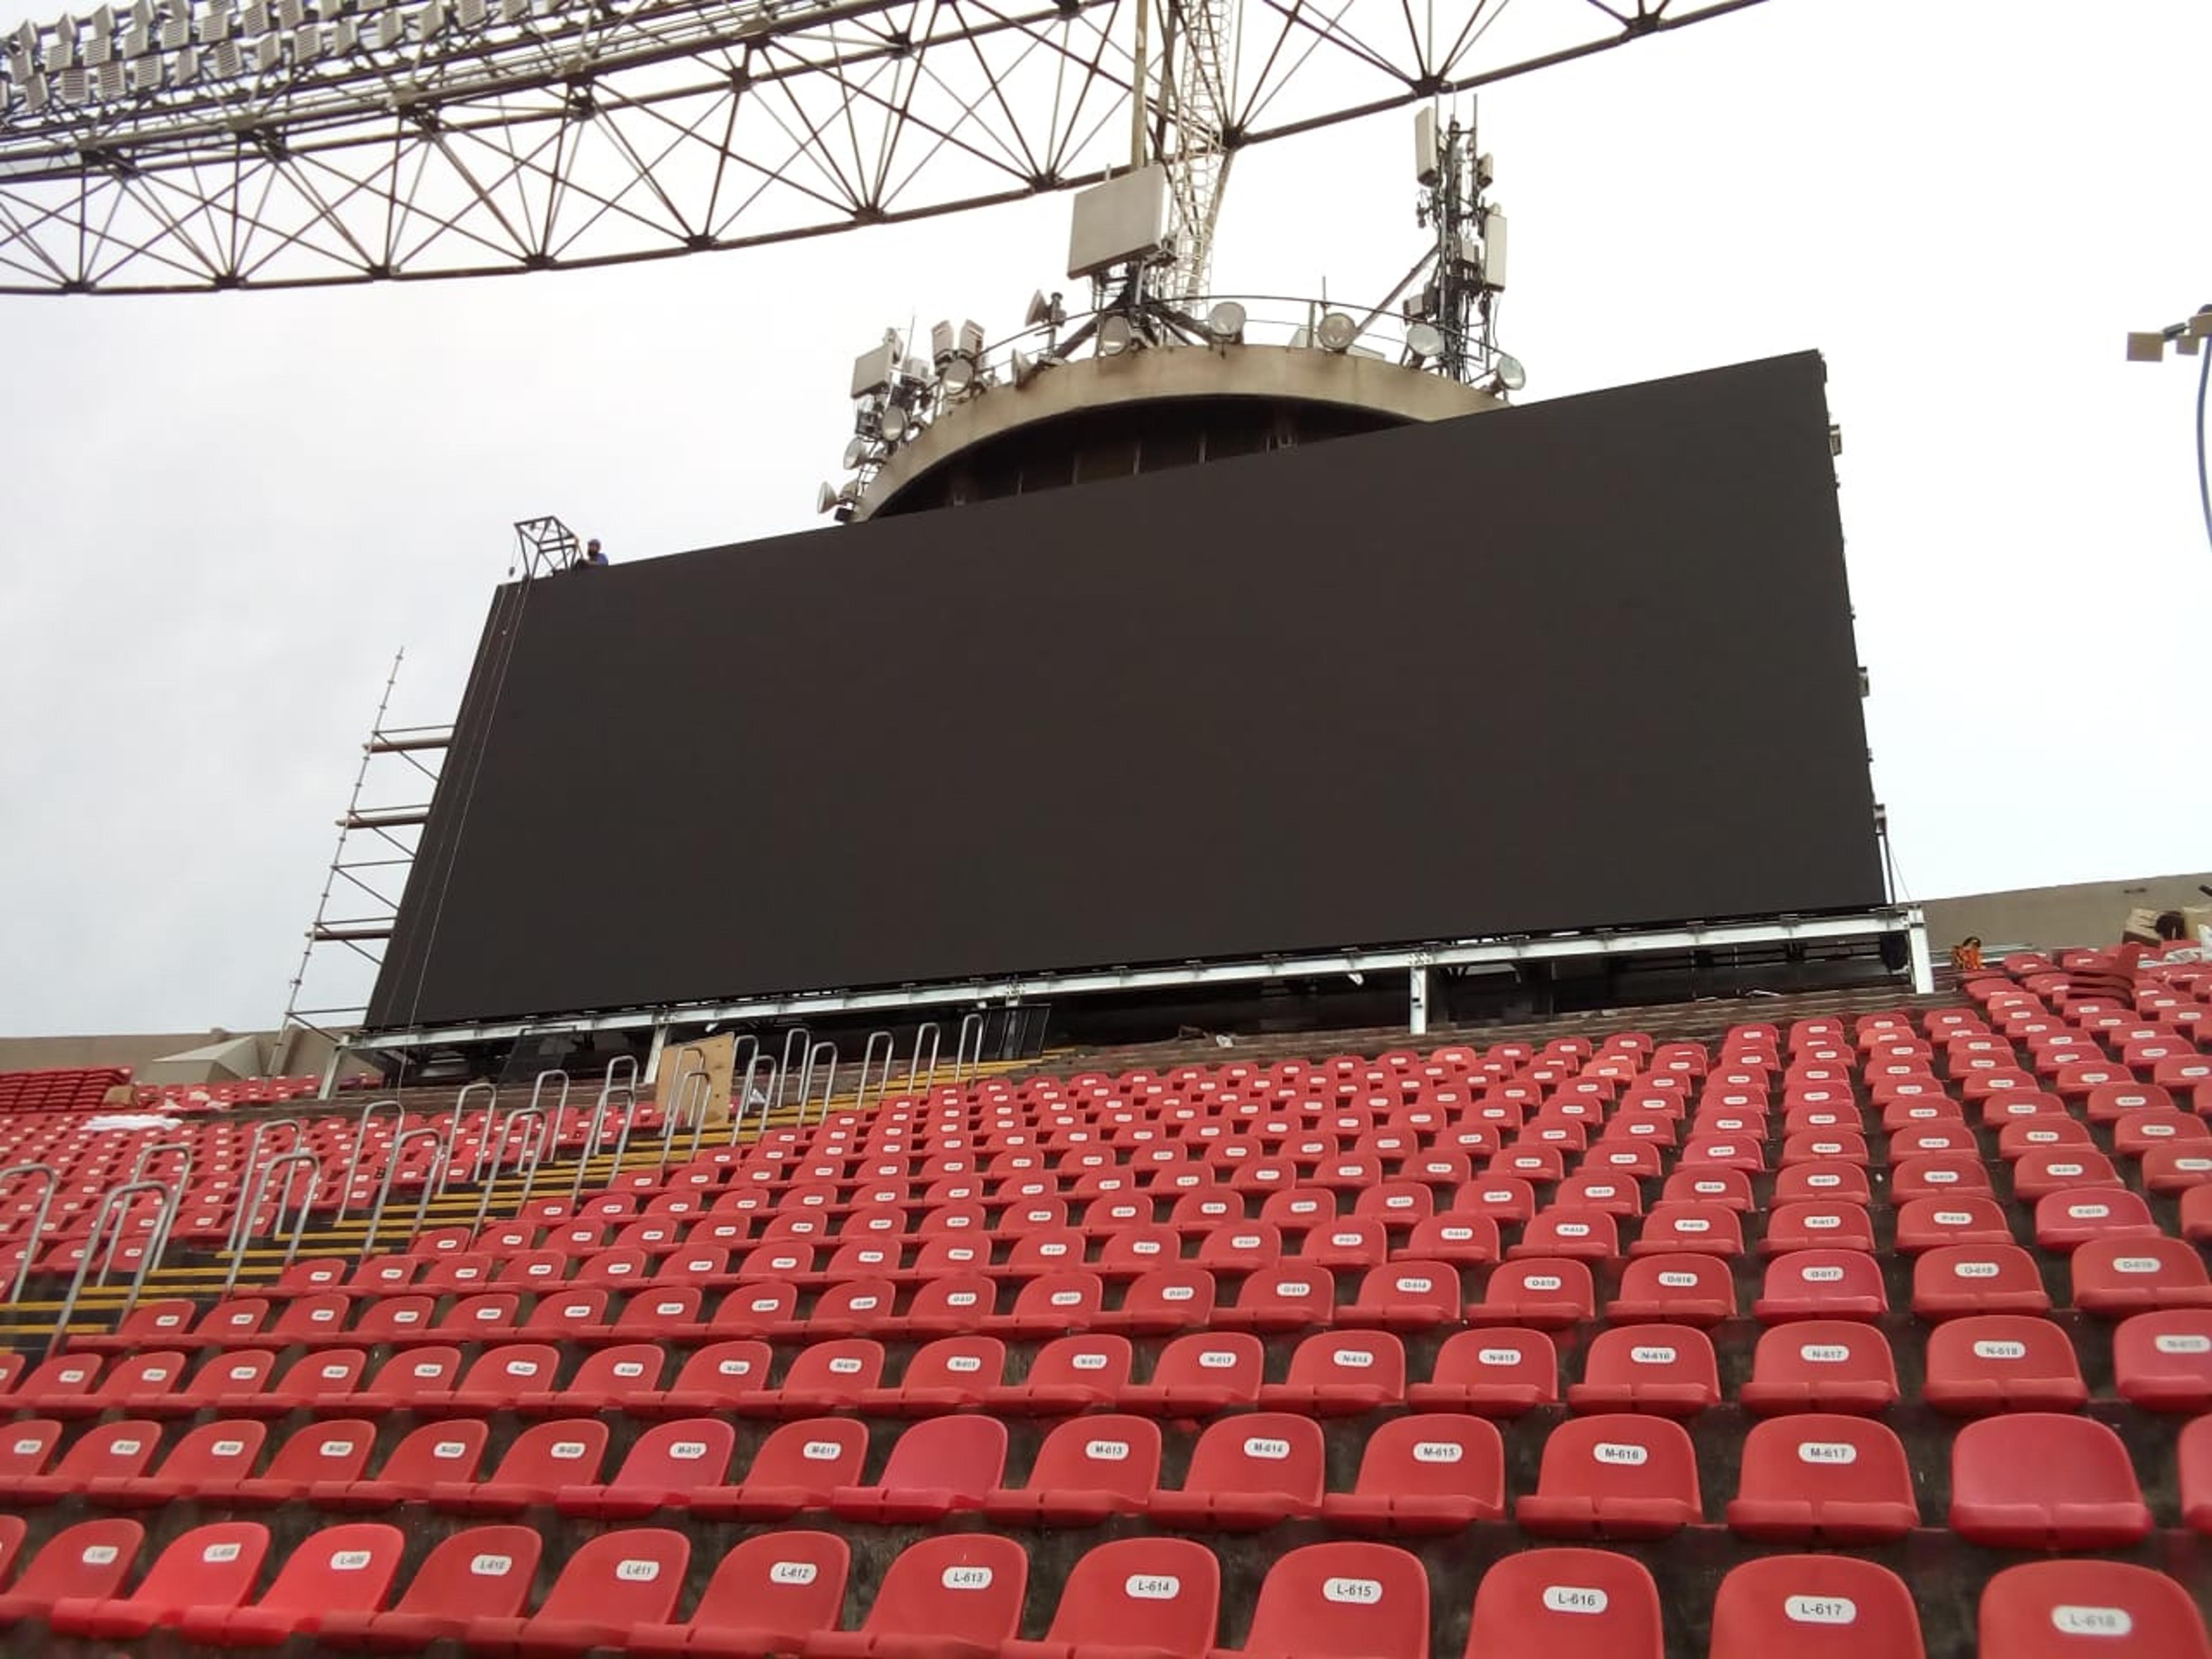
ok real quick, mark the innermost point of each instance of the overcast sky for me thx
(224, 514)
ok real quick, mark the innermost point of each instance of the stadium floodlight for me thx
(1425, 340)
(1511, 374)
(894, 423)
(825, 497)
(855, 452)
(960, 375)
(1025, 367)
(1116, 334)
(1040, 311)
(1225, 322)
(2146, 346)
(1337, 332)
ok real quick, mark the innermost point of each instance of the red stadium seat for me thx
(334, 1451)
(951, 1374)
(715, 1378)
(1616, 1476)
(1818, 1478)
(1501, 1371)
(483, 1572)
(954, 1597)
(614, 1583)
(1247, 1472)
(796, 1468)
(1464, 1240)
(1820, 1606)
(1822, 1284)
(1820, 1365)
(2115, 1277)
(344, 1569)
(823, 1377)
(1669, 1369)
(84, 1565)
(1088, 1469)
(1341, 1373)
(1683, 1289)
(115, 1453)
(1199, 1375)
(1341, 1600)
(2162, 1361)
(1709, 1229)
(771, 1595)
(1962, 1279)
(661, 1469)
(1819, 1226)
(1406, 1295)
(2084, 1609)
(1930, 1224)
(2002, 1362)
(939, 1465)
(539, 1462)
(1427, 1473)
(1070, 1374)
(1567, 1604)
(1586, 1234)
(1294, 1295)
(2039, 1480)
(436, 1454)
(1549, 1295)
(1135, 1596)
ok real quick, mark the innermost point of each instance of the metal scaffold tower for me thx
(367, 873)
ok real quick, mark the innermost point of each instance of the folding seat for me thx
(2039, 1174)
(1292, 1296)
(796, 1468)
(1815, 1477)
(1536, 1165)
(1824, 1607)
(1087, 1470)
(2065, 1221)
(1297, 1209)
(1069, 1374)
(857, 1307)
(770, 1595)
(434, 1454)
(1958, 1279)
(1345, 1244)
(1241, 1249)
(534, 1269)
(2162, 1361)
(1200, 1210)
(1824, 1181)
(2181, 1170)
(1053, 1304)
(381, 1275)
(951, 1374)
(1177, 1298)
(209, 1567)
(1199, 1375)
(1132, 1597)
(1820, 1365)
(1428, 1473)
(394, 1320)
(613, 1584)
(490, 1317)
(1824, 1225)
(761, 1308)
(1465, 1241)
(946, 1305)
(77, 1387)
(345, 1569)
(498, 1380)
(2143, 1132)
(409, 1377)
(712, 1379)
(1929, 1223)
(1742, 1150)
(1952, 1140)
(2082, 1610)
(1708, 1229)
(1688, 1289)
(1136, 1250)
(1709, 1185)
(1567, 1604)
(824, 1378)
(1506, 1201)
(1942, 1176)
(1550, 1295)
(304, 1277)
(1668, 1369)
(661, 1470)
(25, 1448)
(1613, 1476)
(1406, 1295)
(2040, 1480)
(1341, 1600)
(85, 1564)
(1586, 1235)
(1341, 1373)
(537, 1463)
(118, 1452)
(334, 1451)
(1397, 1204)
(2120, 1099)
(165, 1323)
(955, 1596)
(1248, 1473)
(2115, 1277)
(1112, 1213)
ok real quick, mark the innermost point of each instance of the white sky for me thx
(225, 512)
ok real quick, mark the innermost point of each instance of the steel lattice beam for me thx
(499, 135)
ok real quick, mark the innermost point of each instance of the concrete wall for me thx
(2087, 913)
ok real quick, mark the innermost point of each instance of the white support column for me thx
(1417, 979)
(653, 1061)
(1916, 943)
(330, 1071)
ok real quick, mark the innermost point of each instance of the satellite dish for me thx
(1225, 321)
(1425, 340)
(1116, 334)
(855, 452)
(1510, 374)
(894, 423)
(825, 499)
(1337, 332)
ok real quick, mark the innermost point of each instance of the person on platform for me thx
(592, 553)
(1966, 955)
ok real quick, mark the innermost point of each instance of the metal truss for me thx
(185, 145)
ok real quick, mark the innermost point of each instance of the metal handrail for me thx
(368, 1112)
(691, 1086)
(170, 1197)
(235, 1240)
(153, 1149)
(629, 1083)
(699, 1119)
(973, 1019)
(796, 1037)
(744, 1100)
(537, 1156)
(257, 1189)
(561, 1110)
(453, 1129)
(914, 1065)
(867, 1056)
(829, 1080)
(599, 1127)
(432, 1179)
(38, 1221)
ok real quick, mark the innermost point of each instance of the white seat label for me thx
(565, 1451)
(1087, 1361)
(1151, 1587)
(1954, 1218)
(1177, 1292)
(1614, 1451)
(1499, 1357)
(1106, 1451)
(967, 1578)
(844, 1365)
(1678, 1281)
(637, 1572)
(1821, 1610)
(1273, 1451)
(2135, 1264)
(492, 1566)
(1574, 1598)
(219, 1553)
(1542, 1282)
(1356, 1359)
(1975, 1269)
(2068, 1620)
(446, 1450)
(1364, 1592)
(1438, 1451)
(350, 1560)
(1826, 1451)
(1824, 1353)
(2178, 1342)
(1216, 1359)
(98, 1555)
(821, 1451)
(1652, 1356)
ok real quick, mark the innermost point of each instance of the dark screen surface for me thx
(1586, 663)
